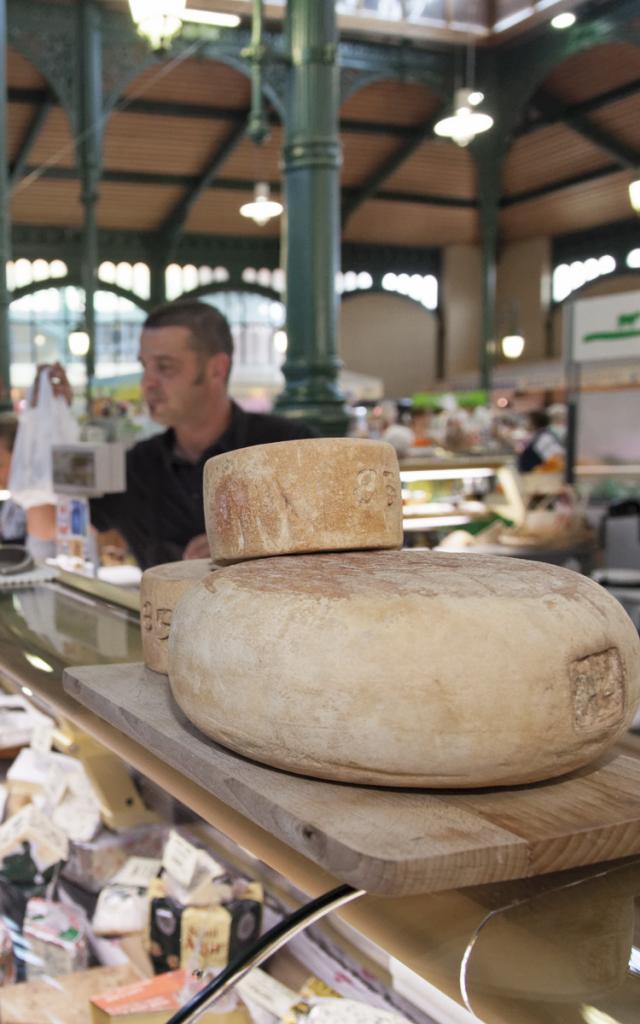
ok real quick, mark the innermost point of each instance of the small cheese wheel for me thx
(160, 590)
(293, 497)
(407, 668)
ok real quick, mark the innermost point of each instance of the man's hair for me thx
(8, 428)
(209, 329)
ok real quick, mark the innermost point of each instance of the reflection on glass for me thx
(562, 955)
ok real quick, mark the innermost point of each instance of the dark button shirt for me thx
(162, 507)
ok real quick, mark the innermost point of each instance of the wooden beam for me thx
(31, 135)
(190, 181)
(550, 107)
(563, 113)
(555, 186)
(372, 184)
(174, 223)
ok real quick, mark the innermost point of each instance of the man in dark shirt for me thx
(543, 445)
(186, 351)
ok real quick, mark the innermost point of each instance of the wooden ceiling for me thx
(559, 175)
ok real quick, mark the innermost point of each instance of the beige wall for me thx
(524, 279)
(389, 337)
(461, 297)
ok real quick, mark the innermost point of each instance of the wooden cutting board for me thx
(391, 842)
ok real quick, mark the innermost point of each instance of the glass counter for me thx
(557, 949)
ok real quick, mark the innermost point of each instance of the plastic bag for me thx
(49, 422)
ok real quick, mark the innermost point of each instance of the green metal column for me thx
(489, 150)
(157, 291)
(5, 224)
(311, 161)
(90, 123)
(489, 236)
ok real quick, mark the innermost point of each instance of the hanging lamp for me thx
(262, 208)
(634, 194)
(159, 21)
(512, 346)
(466, 121)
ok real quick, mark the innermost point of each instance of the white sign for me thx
(606, 328)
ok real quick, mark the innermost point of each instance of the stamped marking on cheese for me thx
(368, 482)
(390, 489)
(163, 623)
(147, 617)
(597, 690)
(158, 623)
(366, 485)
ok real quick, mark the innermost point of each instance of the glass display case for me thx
(556, 949)
(441, 494)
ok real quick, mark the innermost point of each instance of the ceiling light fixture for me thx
(79, 343)
(564, 20)
(634, 194)
(215, 18)
(261, 209)
(465, 123)
(159, 21)
(512, 346)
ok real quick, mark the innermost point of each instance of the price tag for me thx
(138, 872)
(180, 859)
(42, 736)
(267, 993)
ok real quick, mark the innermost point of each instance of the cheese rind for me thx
(292, 497)
(160, 590)
(407, 668)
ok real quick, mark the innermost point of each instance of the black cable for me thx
(264, 947)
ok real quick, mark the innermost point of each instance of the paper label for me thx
(48, 843)
(138, 872)
(267, 993)
(78, 817)
(180, 858)
(42, 736)
(204, 938)
(346, 1011)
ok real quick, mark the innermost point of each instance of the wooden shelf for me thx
(438, 839)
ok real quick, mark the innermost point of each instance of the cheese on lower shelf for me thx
(41, 1002)
(155, 1000)
(317, 494)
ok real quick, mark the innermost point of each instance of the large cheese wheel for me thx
(406, 668)
(318, 494)
(160, 590)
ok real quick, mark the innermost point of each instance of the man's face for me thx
(177, 382)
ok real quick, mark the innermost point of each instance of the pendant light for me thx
(466, 122)
(262, 208)
(512, 346)
(158, 21)
(512, 343)
(634, 194)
